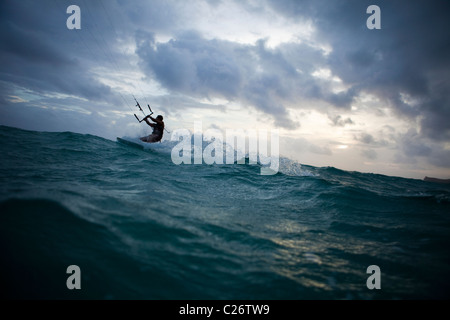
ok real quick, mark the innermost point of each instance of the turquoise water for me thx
(140, 227)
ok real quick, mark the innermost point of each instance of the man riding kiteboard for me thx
(158, 129)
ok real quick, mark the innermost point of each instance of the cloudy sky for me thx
(340, 94)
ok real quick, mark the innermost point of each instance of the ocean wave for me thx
(141, 227)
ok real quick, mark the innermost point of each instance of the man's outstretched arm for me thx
(155, 120)
(148, 122)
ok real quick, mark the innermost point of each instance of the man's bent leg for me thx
(151, 138)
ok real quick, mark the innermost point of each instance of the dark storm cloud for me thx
(409, 55)
(413, 145)
(269, 79)
(440, 158)
(192, 65)
(366, 138)
(339, 121)
(202, 68)
(40, 54)
(25, 45)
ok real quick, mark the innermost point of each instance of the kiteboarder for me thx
(158, 129)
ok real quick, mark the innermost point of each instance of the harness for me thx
(158, 129)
